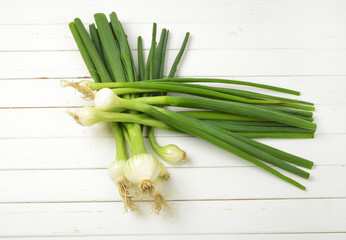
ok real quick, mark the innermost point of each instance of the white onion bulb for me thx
(116, 170)
(106, 99)
(141, 167)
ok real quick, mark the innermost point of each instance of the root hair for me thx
(184, 156)
(124, 188)
(165, 176)
(81, 87)
(159, 202)
(146, 187)
(75, 117)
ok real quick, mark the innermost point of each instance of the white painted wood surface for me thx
(53, 178)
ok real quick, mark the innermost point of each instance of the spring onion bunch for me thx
(130, 97)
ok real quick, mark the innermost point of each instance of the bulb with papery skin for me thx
(116, 170)
(171, 153)
(158, 187)
(164, 174)
(141, 167)
(86, 116)
(105, 99)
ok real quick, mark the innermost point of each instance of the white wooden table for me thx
(53, 178)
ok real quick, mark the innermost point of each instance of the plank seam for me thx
(167, 234)
(181, 200)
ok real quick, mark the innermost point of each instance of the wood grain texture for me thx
(38, 122)
(97, 152)
(220, 36)
(49, 93)
(213, 183)
(222, 217)
(198, 63)
(284, 236)
(176, 11)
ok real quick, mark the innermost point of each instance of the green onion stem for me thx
(243, 93)
(276, 152)
(289, 106)
(151, 137)
(177, 60)
(162, 64)
(171, 118)
(232, 139)
(246, 123)
(148, 74)
(111, 48)
(190, 89)
(181, 89)
(125, 51)
(278, 135)
(217, 116)
(96, 40)
(159, 54)
(143, 119)
(136, 138)
(119, 141)
(84, 52)
(140, 59)
(230, 107)
(220, 143)
(211, 115)
(228, 81)
(90, 47)
(263, 129)
(306, 114)
(96, 116)
(223, 106)
(196, 90)
(126, 135)
(122, 91)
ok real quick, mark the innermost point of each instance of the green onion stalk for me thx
(144, 170)
(108, 57)
(227, 141)
(253, 104)
(88, 116)
(95, 52)
(116, 170)
(170, 153)
(188, 89)
(231, 119)
(108, 94)
(238, 108)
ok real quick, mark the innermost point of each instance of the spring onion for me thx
(116, 170)
(170, 153)
(226, 117)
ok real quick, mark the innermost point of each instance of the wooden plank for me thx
(220, 36)
(185, 184)
(49, 93)
(39, 93)
(201, 11)
(305, 236)
(88, 153)
(221, 217)
(203, 63)
(55, 122)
